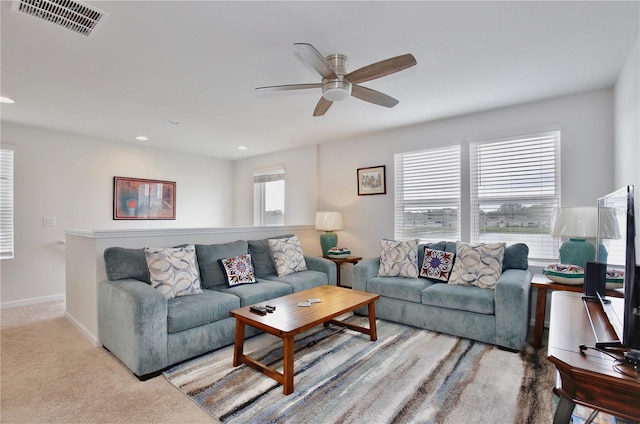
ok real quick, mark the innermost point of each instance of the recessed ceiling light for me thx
(242, 147)
(6, 100)
(141, 138)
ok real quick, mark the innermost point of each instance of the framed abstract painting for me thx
(135, 198)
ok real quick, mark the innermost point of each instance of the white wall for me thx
(586, 122)
(300, 170)
(627, 128)
(70, 177)
(627, 121)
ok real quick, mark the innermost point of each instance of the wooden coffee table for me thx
(290, 319)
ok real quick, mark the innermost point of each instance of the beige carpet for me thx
(51, 374)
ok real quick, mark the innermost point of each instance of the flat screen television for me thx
(616, 251)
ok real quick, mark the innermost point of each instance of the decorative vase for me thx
(577, 251)
(328, 239)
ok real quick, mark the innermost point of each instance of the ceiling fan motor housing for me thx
(337, 89)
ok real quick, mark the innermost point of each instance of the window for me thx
(427, 194)
(268, 196)
(512, 188)
(6, 204)
(515, 186)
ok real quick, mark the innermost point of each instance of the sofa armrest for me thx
(364, 271)
(512, 306)
(316, 263)
(132, 324)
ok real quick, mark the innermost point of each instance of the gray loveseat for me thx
(499, 316)
(148, 332)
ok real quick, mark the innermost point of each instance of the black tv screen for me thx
(615, 247)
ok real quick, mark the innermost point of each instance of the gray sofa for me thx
(499, 317)
(148, 332)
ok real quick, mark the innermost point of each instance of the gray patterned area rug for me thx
(407, 376)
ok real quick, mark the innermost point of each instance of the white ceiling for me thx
(199, 63)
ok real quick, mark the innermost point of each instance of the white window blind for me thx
(6, 204)
(427, 195)
(515, 186)
(268, 196)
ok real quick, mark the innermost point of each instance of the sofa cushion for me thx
(477, 264)
(121, 264)
(255, 293)
(301, 280)
(401, 288)
(471, 299)
(238, 270)
(287, 255)
(437, 264)
(261, 256)
(516, 257)
(192, 311)
(398, 258)
(174, 270)
(209, 255)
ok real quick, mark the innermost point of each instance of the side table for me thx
(339, 261)
(541, 283)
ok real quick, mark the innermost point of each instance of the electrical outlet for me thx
(48, 221)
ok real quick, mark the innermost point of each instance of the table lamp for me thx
(609, 229)
(577, 224)
(328, 222)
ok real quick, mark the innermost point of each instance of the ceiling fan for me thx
(338, 85)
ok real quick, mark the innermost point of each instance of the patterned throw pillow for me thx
(399, 258)
(477, 264)
(174, 271)
(238, 270)
(287, 255)
(437, 264)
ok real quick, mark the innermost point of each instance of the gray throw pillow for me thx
(516, 256)
(208, 256)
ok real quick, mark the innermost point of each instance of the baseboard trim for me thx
(93, 339)
(32, 301)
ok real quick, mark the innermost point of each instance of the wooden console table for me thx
(542, 284)
(587, 378)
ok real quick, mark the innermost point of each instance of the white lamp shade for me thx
(608, 224)
(329, 221)
(576, 222)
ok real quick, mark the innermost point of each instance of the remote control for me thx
(270, 308)
(258, 309)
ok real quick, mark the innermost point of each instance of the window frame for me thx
(260, 179)
(541, 154)
(438, 160)
(7, 203)
(468, 198)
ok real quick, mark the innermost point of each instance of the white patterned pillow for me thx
(399, 258)
(287, 255)
(238, 270)
(174, 271)
(477, 264)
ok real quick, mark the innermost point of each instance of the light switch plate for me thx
(48, 221)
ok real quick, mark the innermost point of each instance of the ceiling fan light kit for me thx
(338, 85)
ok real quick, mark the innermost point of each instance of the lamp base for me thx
(328, 239)
(577, 252)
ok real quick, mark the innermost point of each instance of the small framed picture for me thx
(135, 198)
(372, 180)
